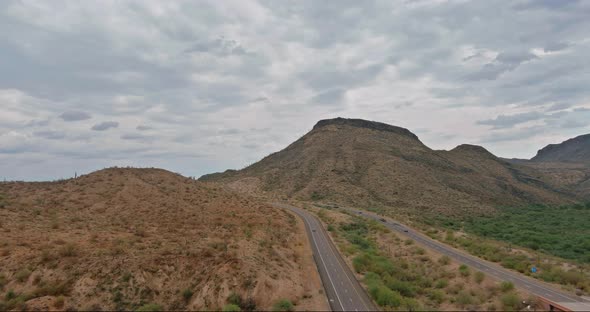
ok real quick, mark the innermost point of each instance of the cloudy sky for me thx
(196, 86)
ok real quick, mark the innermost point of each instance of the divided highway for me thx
(343, 290)
(531, 285)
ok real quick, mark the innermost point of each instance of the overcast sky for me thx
(196, 87)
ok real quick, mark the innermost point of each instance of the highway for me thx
(531, 285)
(342, 289)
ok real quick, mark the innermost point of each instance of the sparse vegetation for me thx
(398, 278)
(283, 305)
(150, 307)
(230, 307)
(506, 286)
(119, 232)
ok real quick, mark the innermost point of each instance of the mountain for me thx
(122, 238)
(371, 164)
(572, 150)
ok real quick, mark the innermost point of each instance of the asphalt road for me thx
(343, 290)
(531, 285)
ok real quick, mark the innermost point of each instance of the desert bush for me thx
(10, 295)
(479, 277)
(3, 281)
(444, 260)
(22, 275)
(150, 307)
(283, 305)
(59, 302)
(230, 307)
(234, 298)
(506, 286)
(187, 294)
(437, 296)
(510, 301)
(464, 270)
(384, 296)
(441, 283)
(464, 298)
(68, 250)
(404, 288)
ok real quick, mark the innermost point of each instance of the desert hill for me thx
(575, 150)
(370, 164)
(124, 238)
(566, 164)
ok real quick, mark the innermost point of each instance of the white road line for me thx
(327, 271)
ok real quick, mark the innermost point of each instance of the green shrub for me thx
(441, 283)
(510, 301)
(187, 294)
(283, 305)
(10, 295)
(384, 296)
(479, 277)
(404, 288)
(150, 307)
(444, 260)
(22, 275)
(464, 298)
(436, 295)
(234, 298)
(506, 286)
(231, 308)
(464, 270)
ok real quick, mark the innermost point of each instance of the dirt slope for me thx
(368, 164)
(123, 238)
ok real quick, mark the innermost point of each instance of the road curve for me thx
(531, 285)
(343, 290)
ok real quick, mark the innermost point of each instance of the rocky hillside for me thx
(371, 164)
(573, 150)
(131, 238)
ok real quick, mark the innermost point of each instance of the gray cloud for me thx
(213, 74)
(137, 137)
(105, 126)
(51, 135)
(144, 128)
(74, 116)
(508, 121)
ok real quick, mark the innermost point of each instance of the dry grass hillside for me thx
(133, 238)
(573, 176)
(369, 164)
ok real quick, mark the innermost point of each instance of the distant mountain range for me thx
(573, 150)
(371, 164)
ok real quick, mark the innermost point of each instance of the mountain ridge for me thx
(366, 163)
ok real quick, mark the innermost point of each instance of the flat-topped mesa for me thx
(361, 123)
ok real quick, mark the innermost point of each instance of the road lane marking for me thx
(326, 268)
